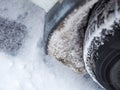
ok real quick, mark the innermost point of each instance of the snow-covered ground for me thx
(28, 68)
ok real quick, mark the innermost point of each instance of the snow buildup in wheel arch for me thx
(97, 39)
(66, 42)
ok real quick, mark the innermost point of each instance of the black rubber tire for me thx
(103, 36)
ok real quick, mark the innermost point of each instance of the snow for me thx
(30, 68)
(45, 4)
(66, 42)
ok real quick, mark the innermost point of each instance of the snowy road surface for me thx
(23, 65)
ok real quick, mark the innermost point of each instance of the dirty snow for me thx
(66, 42)
(30, 68)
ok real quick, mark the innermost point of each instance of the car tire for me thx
(102, 44)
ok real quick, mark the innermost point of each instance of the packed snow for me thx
(29, 68)
(66, 42)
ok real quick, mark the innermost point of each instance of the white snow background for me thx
(30, 68)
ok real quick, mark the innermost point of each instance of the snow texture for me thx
(66, 42)
(30, 68)
(11, 35)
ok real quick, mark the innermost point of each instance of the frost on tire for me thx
(105, 16)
